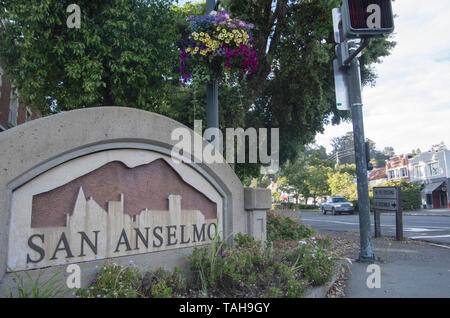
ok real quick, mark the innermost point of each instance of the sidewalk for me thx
(408, 269)
(429, 212)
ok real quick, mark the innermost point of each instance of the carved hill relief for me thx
(143, 187)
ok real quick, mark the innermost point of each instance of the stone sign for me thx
(95, 184)
(109, 204)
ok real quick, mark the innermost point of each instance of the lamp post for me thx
(212, 94)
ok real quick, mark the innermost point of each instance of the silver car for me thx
(337, 205)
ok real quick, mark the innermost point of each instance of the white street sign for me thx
(341, 88)
(385, 193)
(385, 204)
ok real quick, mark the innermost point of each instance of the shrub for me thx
(280, 227)
(411, 193)
(250, 268)
(305, 207)
(113, 281)
(163, 284)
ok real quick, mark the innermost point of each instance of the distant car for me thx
(337, 205)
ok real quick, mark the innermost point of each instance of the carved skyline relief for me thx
(92, 232)
(144, 187)
(110, 204)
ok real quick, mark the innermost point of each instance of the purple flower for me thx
(223, 255)
(94, 281)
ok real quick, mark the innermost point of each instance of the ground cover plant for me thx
(293, 259)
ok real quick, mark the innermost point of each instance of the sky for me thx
(409, 107)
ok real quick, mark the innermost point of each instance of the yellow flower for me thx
(188, 50)
(202, 34)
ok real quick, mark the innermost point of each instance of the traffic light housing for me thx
(366, 18)
(367, 150)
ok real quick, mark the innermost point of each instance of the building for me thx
(397, 168)
(377, 177)
(433, 170)
(12, 111)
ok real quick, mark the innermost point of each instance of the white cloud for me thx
(409, 108)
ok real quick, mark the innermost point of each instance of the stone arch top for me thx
(31, 149)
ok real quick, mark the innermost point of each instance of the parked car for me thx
(337, 205)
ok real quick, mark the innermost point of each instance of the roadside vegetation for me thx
(293, 259)
(314, 174)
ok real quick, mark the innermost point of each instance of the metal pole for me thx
(212, 107)
(212, 95)
(399, 216)
(354, 81)
(210, 4)
(377, 222)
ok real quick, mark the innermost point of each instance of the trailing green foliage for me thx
(122, 55)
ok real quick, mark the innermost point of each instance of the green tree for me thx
(123, 53)
(295, 175)
(317, 181)
(293, 87)
(341, 184)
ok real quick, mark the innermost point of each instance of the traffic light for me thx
(366, 18)
(367, 149)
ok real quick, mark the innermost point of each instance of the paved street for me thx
(431, 228)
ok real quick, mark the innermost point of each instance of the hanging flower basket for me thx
(218, 47)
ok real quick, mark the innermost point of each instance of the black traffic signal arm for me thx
(365, 43)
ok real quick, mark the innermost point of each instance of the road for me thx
(435, 229)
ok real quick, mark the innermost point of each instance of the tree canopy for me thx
(122, 54)
(126, 54)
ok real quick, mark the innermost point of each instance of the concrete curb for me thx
(322, 291)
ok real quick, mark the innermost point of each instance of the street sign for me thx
(367, 18)
(341, 88)
(385, 192)
(385, 204)
(388, 199)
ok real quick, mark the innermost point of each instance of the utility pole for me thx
(212, 94)
(358, 20)
(354, 83)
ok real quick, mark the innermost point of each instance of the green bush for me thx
(113, 281)
(411, 193)
(249, 268)
(280, 227)
(305, 207)
(163, 284)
